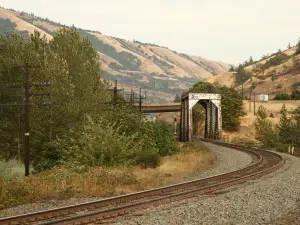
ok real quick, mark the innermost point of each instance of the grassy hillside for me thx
(276, 74)
(163, 73)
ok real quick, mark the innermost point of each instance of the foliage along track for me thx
(263, 162)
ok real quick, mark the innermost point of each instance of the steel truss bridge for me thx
(213, 119)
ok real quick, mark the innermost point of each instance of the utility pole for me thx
(115, 91)
(27, 86)
(131, 101)
(243, 91)
(140, 99)
(250, 93)
(27, 119)
(254, 103)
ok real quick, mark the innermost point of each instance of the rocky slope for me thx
(163, 73)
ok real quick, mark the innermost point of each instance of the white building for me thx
(262, 98)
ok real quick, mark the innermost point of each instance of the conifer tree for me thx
(251, 60)
(298, 47)
(284, 126)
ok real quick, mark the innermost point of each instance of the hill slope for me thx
(268, 77)
(158, 70)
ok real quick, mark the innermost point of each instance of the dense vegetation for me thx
(231, 102)
(295, 95)
(242, 75)
(282, 135)
(77, 129)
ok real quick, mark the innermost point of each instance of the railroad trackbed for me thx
(263, 162)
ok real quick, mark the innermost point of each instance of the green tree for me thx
(231, 102)
(273, 78)
(231, 69)
(242, 75)
(295, 127)
(264, 131)
(284, 126)
(298, 47)
(251, 60)
(75, 129)
(296, 94)
(177, 98)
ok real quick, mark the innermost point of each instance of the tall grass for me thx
(66, 182)
(11, 169)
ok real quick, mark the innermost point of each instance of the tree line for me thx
(242, 75)
(279, 136)
(79, 128)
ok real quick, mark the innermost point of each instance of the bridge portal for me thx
(212, 106)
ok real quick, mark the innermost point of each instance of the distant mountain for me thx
(163, 73)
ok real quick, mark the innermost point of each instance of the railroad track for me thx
(263, 162)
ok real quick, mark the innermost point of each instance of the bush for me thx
(102, 144)
(282, 97)
(164, 138)
(296, 94)
(148, 159)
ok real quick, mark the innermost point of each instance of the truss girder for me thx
(213, 119)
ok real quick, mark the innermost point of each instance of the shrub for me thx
(282, 97)
(148, 159)
(164, 138)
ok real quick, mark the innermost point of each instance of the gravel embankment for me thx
(273, 199)
(227, 160)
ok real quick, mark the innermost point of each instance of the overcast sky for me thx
(225, 30)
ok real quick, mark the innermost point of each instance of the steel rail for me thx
(211, 184)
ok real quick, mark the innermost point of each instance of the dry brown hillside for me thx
(161, 71)
(272, 80)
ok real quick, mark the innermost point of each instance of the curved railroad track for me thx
(263, 162)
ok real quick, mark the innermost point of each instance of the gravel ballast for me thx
(272, 199)
(227, 160)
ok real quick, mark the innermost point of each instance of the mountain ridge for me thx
(162, 72)
(276, 74)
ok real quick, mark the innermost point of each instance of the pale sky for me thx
(225, 30)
